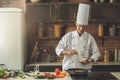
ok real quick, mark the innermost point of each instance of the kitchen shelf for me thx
(55, 21)
(50, 13)
(45, 38)
(110, 37)
(105, 3)
(30, 3)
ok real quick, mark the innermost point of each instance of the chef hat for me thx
(83, 14)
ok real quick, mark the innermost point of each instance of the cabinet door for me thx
(39, 12)
(105, 12)
(67, 11)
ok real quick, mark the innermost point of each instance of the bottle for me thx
(41, 30)
(119, 55)
(100, 30)
(102, 1)
(106, 56)
(112, 30)
(95, 1)
(115, 55)
(118, 30)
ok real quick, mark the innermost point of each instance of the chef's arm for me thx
(68, 52)
(65, 52)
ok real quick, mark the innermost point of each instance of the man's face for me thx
(80, 28)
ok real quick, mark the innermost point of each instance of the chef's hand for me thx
(68, 52)
(89, 60)
(72, 52)
(86, 61)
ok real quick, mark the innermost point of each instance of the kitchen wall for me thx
(109, 43)
(13, 3)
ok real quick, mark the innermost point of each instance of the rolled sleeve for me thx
(95, 56)
(58, 51)
(95, 50)
(61, 46)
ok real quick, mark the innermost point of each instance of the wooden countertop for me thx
(116, 74)
(60, 63)
(67, 77)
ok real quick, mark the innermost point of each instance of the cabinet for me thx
(99, 67)
(48, 14)
(105, 12)
(57, 13)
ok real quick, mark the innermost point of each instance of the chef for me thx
(78, 47)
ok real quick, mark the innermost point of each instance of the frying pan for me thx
(77, 72)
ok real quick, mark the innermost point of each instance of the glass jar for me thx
(58, 30)
(36, 69)
(111, 1)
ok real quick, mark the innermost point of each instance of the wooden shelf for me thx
(45, 38)
(110, 37)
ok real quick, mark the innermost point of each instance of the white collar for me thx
(84, 34)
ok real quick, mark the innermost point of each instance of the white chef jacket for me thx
(85, 45)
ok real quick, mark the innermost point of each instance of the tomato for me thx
(57, 71)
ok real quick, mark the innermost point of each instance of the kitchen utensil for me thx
(77, 72)
(36, 69)
(34, 52)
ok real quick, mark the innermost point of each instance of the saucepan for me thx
(77, 72)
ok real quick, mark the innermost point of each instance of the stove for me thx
(95, 76)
